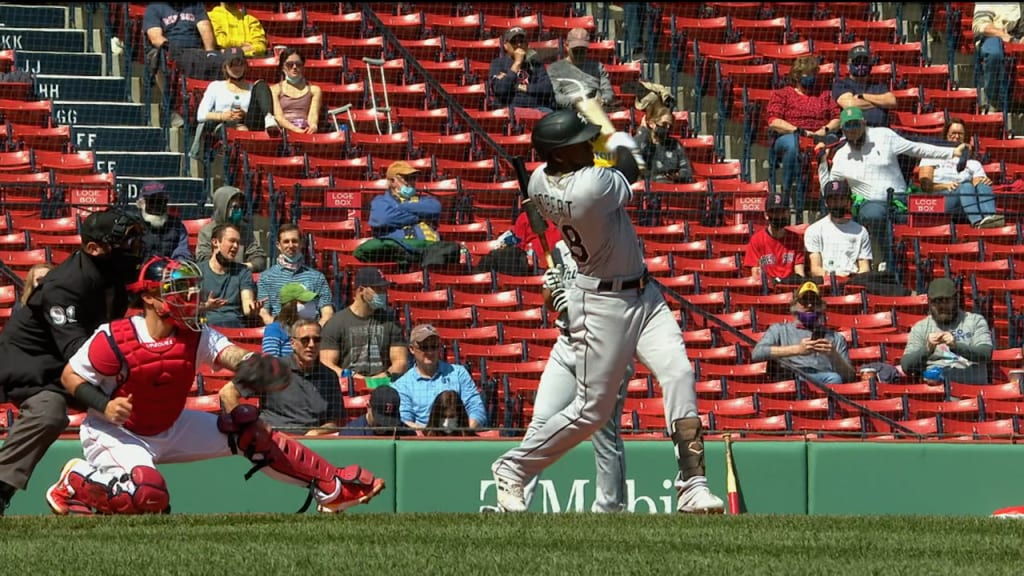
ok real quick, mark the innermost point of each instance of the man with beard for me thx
(948, 332)
(776, 251)
(165, 234)
(85, 291)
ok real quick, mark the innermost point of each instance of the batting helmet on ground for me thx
(562, 128)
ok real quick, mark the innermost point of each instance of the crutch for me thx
(378, 63)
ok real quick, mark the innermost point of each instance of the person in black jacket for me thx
(165, 234)
(519, 78)
(86, 290)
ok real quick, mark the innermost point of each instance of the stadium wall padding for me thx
(775, 477)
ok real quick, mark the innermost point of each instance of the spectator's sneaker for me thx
(510, 492)
(271, 125)
(60, 495)
(991, 221)
(356, 486)
(699, 500)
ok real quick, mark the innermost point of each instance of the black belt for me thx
(635, 283)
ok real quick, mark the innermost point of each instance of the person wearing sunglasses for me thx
(431, 375)
(297, 102)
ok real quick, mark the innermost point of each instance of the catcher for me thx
(135, 374)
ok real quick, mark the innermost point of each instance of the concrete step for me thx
(58, 62)
(82, 88)
(127, 138)
(76, 112)
(155, 164)
(42, 39)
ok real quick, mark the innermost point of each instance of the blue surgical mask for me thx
(808, 81)
(379, 301)
(406, 191)
(295, 79)
(235, 216)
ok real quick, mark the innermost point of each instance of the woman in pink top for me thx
(805, 107)
(296, 101)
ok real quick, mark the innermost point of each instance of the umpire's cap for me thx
(562, 128)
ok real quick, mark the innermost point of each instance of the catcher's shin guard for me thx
(688, 437)
(334, 488)
(150, 495)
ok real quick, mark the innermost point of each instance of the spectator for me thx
(311, 403)
(576, 78)
(869, 162)
(875, 99)
(802, 108)
(956, 342)
(430, 376)
(519, 78)
(229, 208)
(364, 337)
(296, 102)
(233, 27)
(182, 32)
(400, 213)
(836, 244)
(291, 267)
(32, 279)
(806, 344)
(382, 416)
(665, 156)
(448, 416)
(635, 13)
(295, 305)
(227, 286)
(774, 249)
(530, 240)
(165, 234)
(968, 191)
(993, 24)
(236, 102)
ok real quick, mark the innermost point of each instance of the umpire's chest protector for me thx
(158, 375)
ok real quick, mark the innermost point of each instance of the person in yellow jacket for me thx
(235, 28)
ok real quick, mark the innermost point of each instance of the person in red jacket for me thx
(776, 251)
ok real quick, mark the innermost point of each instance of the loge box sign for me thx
(934, 204)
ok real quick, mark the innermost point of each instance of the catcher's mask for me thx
(176, 283)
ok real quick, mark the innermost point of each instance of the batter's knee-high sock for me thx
(688, 438)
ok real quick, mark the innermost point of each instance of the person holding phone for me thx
(807, 344)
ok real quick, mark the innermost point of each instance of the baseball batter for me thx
(614, 313)
(135, 374)
(557, 389)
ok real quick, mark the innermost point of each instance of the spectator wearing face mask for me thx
(448, 416)
(856, 91)
(806, 343)
(836, 244)
(165, 234)
(228, 292)
(665, 156)
(402, 214)
(576, 77)
(229, 208)
(291, 267)
(775, 250)
(364, 337)
(296, 303)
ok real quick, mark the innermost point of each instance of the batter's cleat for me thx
(510, 492)
(60, 495)
(699, 500)
(353, 492)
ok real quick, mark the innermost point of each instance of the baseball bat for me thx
(730, 478)
(537, 222)
(591, 109)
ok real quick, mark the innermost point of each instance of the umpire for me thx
(86, 290)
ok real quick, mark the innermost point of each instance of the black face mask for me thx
(222, 259)
(661, 132)
(837, 211)
(779, 223)
(119, 266)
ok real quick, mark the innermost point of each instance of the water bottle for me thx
(531, 256)
(346, 380)
(463, 254)
(237, 104)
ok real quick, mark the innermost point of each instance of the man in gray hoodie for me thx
(948, 332)
(229, 208)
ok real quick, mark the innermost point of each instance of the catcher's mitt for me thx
(262, 374)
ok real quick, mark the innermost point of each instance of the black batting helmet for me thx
(562, 128)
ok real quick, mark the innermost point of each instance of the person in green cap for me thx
(296, 302)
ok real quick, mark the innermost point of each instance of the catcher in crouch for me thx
(135, 374)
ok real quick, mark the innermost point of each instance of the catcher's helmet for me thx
(562, 128)
(178, 283)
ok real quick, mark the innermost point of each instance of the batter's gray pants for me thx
(607, 329)
(41, 420)
(556, 391)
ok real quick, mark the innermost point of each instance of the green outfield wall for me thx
(775, 477)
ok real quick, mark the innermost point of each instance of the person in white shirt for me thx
(869, 162)
(968, 190)
(994, 23)
(835, 243)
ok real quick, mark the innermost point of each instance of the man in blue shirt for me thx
(857, 91)
(430, 376)
(519, 78)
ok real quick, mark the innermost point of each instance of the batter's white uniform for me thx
(608, 323)
(556, 391)
(111, 451)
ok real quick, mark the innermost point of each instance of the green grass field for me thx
(533, 544)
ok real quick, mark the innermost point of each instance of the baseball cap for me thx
(776, 201)
(108, 227)
(421, 333)
(513, 32)
(401, 167)
(370, 277)
(808, 288)
(295, 291)
(385, 403)
(858, 52)
(577, 38)
(152, 188)
(850, 115)
(836, 188)
(233, 53)
(941, 288)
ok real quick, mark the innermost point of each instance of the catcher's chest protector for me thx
(158, 375)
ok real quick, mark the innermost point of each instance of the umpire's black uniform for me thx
(63, 311)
